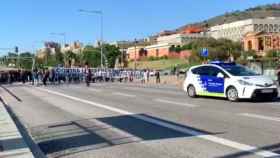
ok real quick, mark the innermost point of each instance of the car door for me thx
(212, 84)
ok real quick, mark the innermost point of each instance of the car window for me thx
(214, 71)
(203, 70)
(239, 70)
(208, 71)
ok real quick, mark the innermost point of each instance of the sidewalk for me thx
(170, 81)
(12, 144)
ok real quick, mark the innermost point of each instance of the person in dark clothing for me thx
(45, 77)
(278, 77)
(157, 77)
(87, 75)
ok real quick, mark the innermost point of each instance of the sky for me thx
(27, 23)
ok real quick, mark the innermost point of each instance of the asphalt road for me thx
(115, 120)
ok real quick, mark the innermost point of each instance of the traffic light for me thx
(16, 49)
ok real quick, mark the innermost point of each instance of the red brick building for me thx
(158, 50)
(261, 42)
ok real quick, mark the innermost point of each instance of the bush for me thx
(164, 57)
(151, 58)
(272, 54)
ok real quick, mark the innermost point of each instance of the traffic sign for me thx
(204, 52)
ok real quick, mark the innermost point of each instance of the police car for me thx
(228, 80)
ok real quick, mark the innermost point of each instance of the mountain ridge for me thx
(262, 11)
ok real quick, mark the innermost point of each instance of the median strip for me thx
(218, 140)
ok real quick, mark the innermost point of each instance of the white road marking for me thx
(261, 117)
(124, 94)
(274, 103)
(95, 90)
(150, 90)
(175, 103)
(218, 140)
(25, 152)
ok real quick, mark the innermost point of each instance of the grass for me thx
(159, 64)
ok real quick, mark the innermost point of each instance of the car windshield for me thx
(239, 70)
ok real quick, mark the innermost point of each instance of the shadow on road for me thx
(274, 148)
(73, 137)
(24, 132)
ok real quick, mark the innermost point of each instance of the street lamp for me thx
(99, 12)
(135, 53)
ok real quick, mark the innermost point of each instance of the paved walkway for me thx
(12, 144)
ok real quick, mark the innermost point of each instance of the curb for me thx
(12, 144)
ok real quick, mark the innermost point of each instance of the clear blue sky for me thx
(27, 22)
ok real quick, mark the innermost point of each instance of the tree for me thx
(69, 56)
(58, 56)
(25, 60)
(91, 56)
(220, 49)
(112, 53)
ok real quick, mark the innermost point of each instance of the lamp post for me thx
(98, 12)
(135, 53)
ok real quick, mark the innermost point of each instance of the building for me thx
(76, 47)
(135, 53)
(166, 33)
(158, 50)
(180, 39)
(151, 39)
(161, 48)
(236, 30)
(49, 48)
(261, 42)
(192, 30)
(52, 47)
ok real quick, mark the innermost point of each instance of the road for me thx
(113, 120)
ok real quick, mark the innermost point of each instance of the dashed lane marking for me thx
(218, 140)
(95, 90)
(176, 103)
(260, 117)
(151, 90)
(124, 94)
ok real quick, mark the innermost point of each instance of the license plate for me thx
(267, 91)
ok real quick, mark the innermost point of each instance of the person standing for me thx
(278, 76)
(142, 76)
(46, 77)
(148, 76)
(157, 77)
(87, 74)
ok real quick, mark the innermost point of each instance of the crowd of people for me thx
(61, 75)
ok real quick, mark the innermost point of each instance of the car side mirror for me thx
(220, 75)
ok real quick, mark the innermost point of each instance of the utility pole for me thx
(135, 53)
(99, 12)
(17, 60)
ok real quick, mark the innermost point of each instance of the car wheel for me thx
(191, 91)
(232, 94)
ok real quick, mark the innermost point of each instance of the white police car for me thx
(228, 80)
